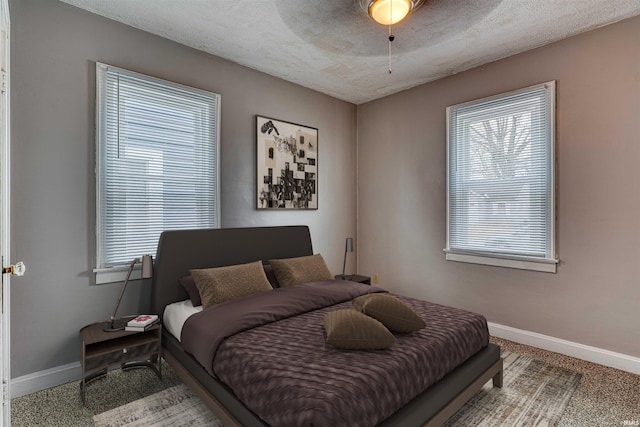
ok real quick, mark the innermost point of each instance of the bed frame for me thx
(179, 251)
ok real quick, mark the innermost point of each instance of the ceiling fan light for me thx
(389, 12)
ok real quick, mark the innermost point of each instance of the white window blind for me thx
(501, 180)
(157, 162)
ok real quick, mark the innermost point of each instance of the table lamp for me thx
(147, 272)
(348, 248)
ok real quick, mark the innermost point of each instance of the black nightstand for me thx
(355, 278)
(102, 349)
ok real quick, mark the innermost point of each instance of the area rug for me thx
(174, 406)
(534, 394)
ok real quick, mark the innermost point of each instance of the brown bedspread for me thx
(203, 332)
(286, 373)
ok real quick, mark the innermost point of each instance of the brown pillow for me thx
(221, 284)
(295, 271)
(189, 285)
(352, 330)
(393, 313)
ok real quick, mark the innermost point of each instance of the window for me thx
(500, 176)
(157, 162)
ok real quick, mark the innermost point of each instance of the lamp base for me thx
(116, 326)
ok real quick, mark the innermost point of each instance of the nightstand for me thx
(355, 278)
(101, 349)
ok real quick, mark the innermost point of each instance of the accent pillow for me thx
(393, 313)
(295, 271)
(352, 330)
(271, 276)
(189, 285)
(222, 284)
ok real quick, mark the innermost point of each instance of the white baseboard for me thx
(48, 378)
(568, 348)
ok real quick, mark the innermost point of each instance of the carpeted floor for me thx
(604, 397)
(61, 406)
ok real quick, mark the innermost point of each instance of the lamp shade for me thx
(349, 244)
(389, 12)
(147, 267)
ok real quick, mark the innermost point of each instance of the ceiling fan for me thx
(389, 12)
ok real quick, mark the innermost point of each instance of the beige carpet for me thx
(534, 394)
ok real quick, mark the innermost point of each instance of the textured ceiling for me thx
(334, 47)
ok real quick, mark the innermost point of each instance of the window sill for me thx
(547, 266)
(116, 274)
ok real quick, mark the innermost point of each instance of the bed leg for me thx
(497, 378)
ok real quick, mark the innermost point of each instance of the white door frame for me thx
(5, 173)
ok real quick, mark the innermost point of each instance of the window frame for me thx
(116, 273)
(549, 262)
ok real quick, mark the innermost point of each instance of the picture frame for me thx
(287, 165)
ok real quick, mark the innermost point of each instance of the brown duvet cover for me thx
(270, 349)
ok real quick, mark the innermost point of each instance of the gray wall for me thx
(54, 50)
(593, 299)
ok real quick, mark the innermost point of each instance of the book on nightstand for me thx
(141, 323)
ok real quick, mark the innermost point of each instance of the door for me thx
(5, 419)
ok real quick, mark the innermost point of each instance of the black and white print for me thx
(287, 166)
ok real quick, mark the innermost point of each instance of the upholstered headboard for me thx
(180, 250)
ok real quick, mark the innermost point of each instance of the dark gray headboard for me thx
(180, 250)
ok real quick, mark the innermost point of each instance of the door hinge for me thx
(3, 83)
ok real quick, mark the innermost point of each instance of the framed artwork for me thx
(287, 166)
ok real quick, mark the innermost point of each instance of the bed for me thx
(180, 251)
